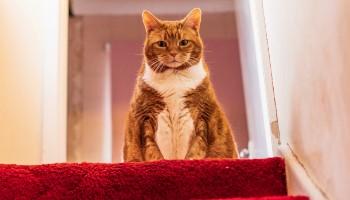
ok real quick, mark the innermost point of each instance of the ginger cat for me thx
(174, 113)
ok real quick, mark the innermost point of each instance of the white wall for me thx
(54, 101)
(309, 47)
(32, 81)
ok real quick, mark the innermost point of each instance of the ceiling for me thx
(160, 7)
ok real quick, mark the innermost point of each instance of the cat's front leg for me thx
(220, 140)
(198, 146)
(132, 143)
(151, 149)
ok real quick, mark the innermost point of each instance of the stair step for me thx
(167, 179)
(267, 198)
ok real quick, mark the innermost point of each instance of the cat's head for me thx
(172, 44)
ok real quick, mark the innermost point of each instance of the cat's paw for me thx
(195, 156)
(153, 153)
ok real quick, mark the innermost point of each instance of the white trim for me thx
(254, 59)
(298, 180)
(54, 94)
(263, 64)
(107, 144)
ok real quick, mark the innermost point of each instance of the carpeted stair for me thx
(258, 179)
(268, 198)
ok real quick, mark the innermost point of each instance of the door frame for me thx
(257, 79)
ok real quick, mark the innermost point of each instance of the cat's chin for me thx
(174, 64)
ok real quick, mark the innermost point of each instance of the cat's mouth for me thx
(174, 64)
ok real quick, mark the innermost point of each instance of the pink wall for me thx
(126, 61)
(223, 58)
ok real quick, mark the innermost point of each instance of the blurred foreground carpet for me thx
(263, 179)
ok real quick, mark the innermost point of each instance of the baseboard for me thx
(298, 180)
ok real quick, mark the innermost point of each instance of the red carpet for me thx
(269, 198)
(151, 180)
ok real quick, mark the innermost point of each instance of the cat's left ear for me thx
(193, 19)
(150, 21)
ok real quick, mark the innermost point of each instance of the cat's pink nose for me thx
(173, 54)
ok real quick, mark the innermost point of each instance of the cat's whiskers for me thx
(159, 67)
(156, 66)
(193, 59)
(154, 63)
(162, 67)
(152, 60)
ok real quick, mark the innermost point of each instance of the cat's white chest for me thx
(175, 126)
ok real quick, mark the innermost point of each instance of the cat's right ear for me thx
(150, 21)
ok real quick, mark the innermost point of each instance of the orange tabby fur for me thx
(174, 113)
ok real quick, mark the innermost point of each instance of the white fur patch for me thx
(175, 124)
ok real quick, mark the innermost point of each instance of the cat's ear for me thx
(150, 21)
(193, 19)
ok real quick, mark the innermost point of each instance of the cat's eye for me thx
(183, 43)
(161, 44)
